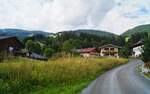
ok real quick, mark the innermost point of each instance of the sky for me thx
(114, 16)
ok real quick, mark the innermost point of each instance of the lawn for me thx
(56, 76)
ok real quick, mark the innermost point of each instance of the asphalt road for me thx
(122, 80)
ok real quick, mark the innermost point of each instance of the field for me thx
(57, 76)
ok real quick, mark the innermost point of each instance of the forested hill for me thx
(95, 32)
(20, 33)
(138, 29)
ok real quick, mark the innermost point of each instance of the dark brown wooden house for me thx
(9, 42)
(12, 45)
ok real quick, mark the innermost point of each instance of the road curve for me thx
(122, 80)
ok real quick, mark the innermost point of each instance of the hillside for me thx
(138, 29)
(20, 33)
(94, 32)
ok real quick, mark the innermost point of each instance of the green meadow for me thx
(67, 75)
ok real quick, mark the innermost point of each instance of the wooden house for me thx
(109, 50)
(10, 43)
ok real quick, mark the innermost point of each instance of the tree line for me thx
(66, 41)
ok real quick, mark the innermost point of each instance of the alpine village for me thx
(37, 62)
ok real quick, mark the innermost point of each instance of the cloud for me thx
(52, 15)
(125, 15)
(115, 22)
(58, 15)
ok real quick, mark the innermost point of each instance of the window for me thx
(106, 48)
(112, 54)
(111, 48)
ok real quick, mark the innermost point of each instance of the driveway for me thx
(122, 80)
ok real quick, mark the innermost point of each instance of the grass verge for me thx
(139, 70)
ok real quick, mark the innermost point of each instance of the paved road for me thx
(122, 80)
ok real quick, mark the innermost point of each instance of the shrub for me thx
(33, 46)
(48, 52)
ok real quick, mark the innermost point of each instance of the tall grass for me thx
(20, 75)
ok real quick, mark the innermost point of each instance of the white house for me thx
(137, 49)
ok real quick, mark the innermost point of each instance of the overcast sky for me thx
(114, 16)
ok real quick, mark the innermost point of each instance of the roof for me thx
(110, 45)
(6, 37)
(37, 56)
(87, 50)
(139, 43)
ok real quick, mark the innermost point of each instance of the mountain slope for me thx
(21, 34)
(94, 32)
(138, 29)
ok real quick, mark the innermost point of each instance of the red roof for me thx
(87, 50)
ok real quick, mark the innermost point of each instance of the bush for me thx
(33, 46)
(48, 52)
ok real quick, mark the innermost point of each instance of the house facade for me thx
(103, 51)
(109, 50)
